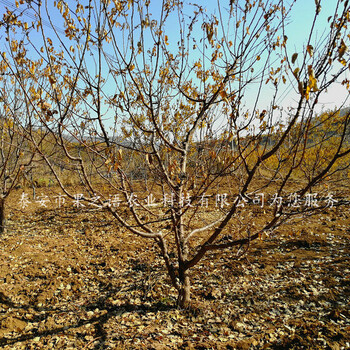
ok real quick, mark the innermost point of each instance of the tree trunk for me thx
(184, 297)
(2, 216)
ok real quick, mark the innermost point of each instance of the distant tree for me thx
(21, 112)
(198, 95)
(15, 154)
(325, 130)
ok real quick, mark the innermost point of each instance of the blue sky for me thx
(299, 26)
(300, 23)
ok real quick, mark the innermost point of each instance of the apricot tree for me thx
(197, 94)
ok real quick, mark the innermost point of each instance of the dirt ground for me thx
(74, 279)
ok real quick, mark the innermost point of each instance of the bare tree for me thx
(21, 111)
(198, 96)
(15, 154)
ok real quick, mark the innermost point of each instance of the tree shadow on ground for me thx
(98, 322)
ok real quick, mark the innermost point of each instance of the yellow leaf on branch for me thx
(307, 92)
(342, 49)
(310, 50)
(296, 72)
(313, 84)
(312, 79)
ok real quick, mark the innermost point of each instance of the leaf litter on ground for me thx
(75, 280)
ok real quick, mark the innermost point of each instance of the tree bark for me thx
(2, 216)
(184, 297)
